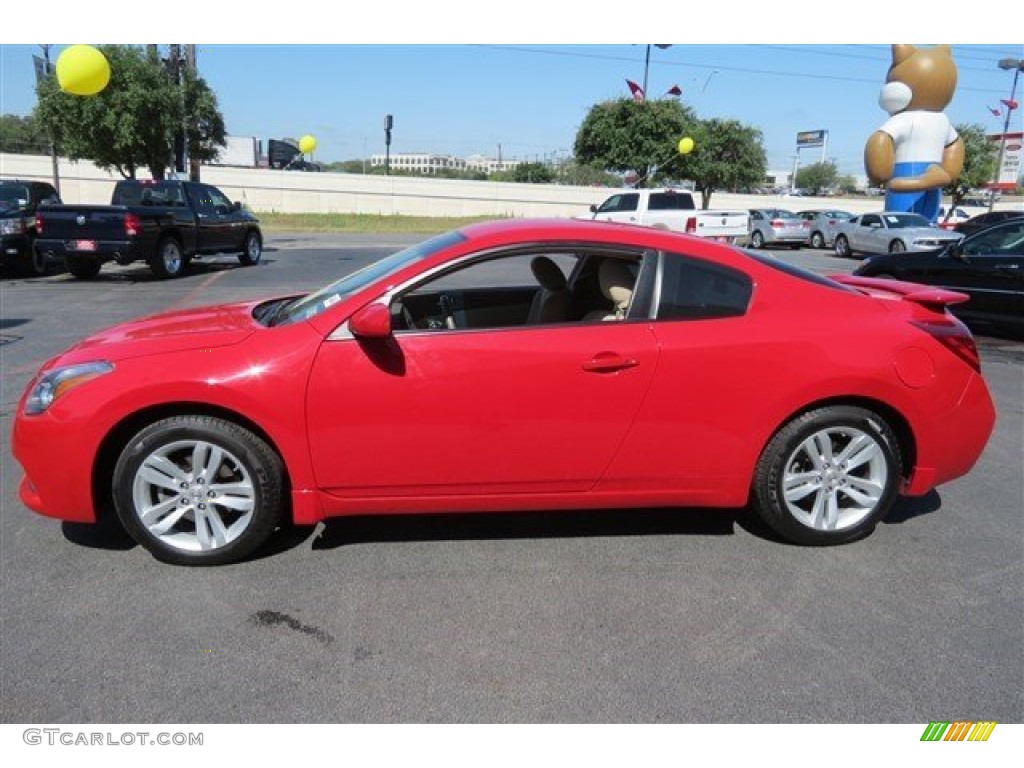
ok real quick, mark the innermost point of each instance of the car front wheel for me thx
(897, 246)
(198, 490)
(757, 240)
(252, 249)
(828, 476)
(843, 247)
(817, 240)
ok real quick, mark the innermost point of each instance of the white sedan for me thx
(890, 232)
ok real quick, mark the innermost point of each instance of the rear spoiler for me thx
(928, 296)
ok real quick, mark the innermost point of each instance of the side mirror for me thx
(371, 322)
(593, 209)
(236, 206)
(956, 251)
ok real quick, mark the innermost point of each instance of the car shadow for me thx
(908, 507)
(141, 273)
(105, 534)
(365, 529)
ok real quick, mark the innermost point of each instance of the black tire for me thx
(252, 249)
(83, 269)
(34, 263)
(830, 500)
(168, 261)
(843, 249)
(897, 246)
(250, 474)
(756, 240)
(796, 246)
(817, 240)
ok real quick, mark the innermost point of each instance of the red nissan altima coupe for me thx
(526, 365)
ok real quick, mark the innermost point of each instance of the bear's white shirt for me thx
(920, 137)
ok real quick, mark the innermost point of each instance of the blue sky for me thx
(465, 88)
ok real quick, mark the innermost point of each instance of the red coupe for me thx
(514, 365)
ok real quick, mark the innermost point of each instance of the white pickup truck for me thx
(671, 209)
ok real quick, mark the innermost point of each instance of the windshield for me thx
(315, 303)
(906, 220)
(10, 194)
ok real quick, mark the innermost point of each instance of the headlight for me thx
(55, 383)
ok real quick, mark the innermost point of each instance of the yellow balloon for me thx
(307, 144)
(685, 145)
(82, 70)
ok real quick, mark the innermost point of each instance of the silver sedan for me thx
(890, 232)
(822, 226)
(775, 226)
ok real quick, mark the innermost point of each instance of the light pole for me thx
(1016, 65)
(647, 63)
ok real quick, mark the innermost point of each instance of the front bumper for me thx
(14, 246)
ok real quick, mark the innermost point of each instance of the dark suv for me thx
(18, 203)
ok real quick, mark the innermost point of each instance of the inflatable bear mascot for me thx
(917, 151)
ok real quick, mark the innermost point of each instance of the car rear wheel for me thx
(897, 246)
(168, 261)
(198, 490)
(757, 240)
(843, 247)
(83, 269)
(828, 476)
(252, 249)
(817, 240)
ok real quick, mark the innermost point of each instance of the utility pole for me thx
(47, 71)
(190, 122)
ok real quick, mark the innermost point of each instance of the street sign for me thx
(1013, 152)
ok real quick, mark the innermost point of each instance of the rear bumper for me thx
(950, 444)
(122, 251)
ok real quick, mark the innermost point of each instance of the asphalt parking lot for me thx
(659, 616)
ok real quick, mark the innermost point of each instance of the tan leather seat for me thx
(551, 302)
(617, 281)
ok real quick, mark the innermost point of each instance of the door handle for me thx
(1007, 267)
(609, 362)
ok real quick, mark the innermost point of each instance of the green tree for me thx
(582, 175)
(980, 156)
(21, 136)
(818, 176)
(131, 124)
(622, 135)
(726, 155)
(531, 173)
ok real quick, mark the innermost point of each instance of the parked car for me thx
(890, 232)
(18, 203)
(672, 209)
(822, 226)
(513, 365)
(164, 223)
(987, 265)
(775, 226)
(949, 218)
(983, 220)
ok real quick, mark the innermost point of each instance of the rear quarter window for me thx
(692, 289)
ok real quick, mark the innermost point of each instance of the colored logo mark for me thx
(960, 730)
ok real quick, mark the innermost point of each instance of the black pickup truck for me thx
(165, 223)
(18, 203)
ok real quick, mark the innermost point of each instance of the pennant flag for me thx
(675, 90)
(1010, 103)
(636, 90)
(995, 112)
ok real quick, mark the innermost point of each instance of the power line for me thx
(720, 67)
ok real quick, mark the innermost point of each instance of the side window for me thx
(692, 289)
(1002, 241)
(611, 204)
(220, 203)
(201, 200)
(628, 202)
(869, 220)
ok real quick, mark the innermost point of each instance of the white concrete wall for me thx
(301, 192)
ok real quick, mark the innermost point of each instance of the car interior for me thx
(523, 289)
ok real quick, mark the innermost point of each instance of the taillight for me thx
(954, 336)
(777, 223)
(132, 225)
(691, 225)
(39, 224)
(806, 225)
